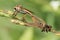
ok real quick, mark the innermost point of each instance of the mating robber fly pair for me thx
(38, 22)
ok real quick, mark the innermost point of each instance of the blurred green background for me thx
(48, 10)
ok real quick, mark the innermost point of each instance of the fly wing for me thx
(27, 10)
(36, 20)
(40, 22)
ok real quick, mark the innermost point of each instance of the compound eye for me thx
(14, 8)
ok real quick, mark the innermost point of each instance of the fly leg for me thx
(14, 15)
(23, 18)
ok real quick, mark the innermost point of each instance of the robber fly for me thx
(36, 21)
(22, 10)
(40, 23)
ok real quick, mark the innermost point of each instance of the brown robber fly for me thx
(22, 10)
(38, 22)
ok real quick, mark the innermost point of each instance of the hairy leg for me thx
(23, 18)
(14, 15)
